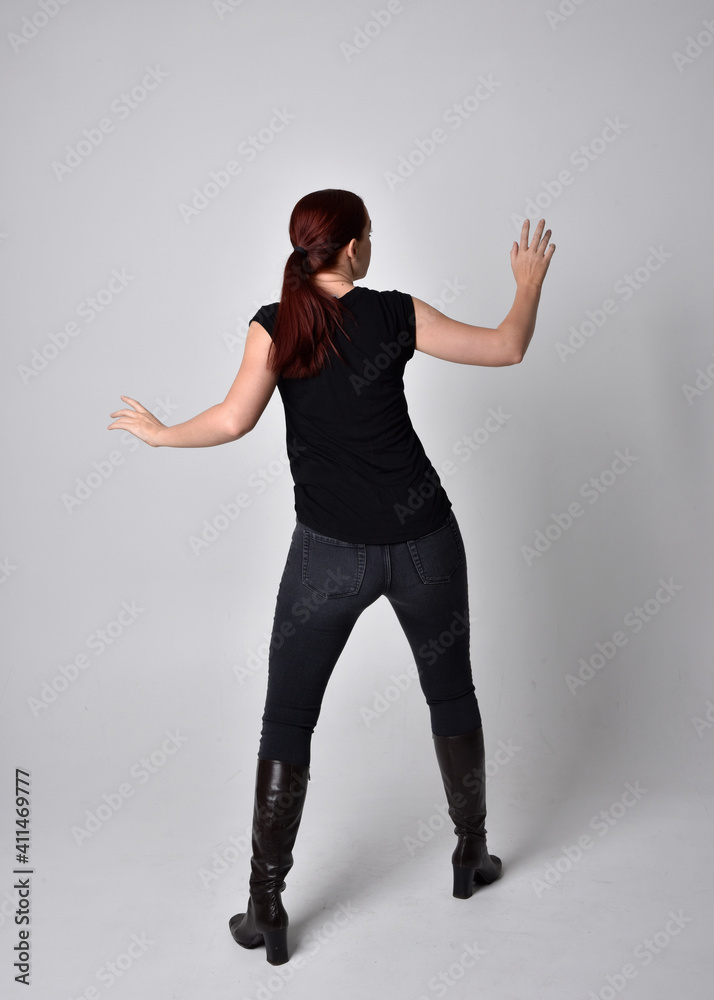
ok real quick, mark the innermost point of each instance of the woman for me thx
(372, 519)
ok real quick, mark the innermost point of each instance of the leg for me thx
(431, 603)
(280, 790)
(463, 772)
(325, 586)
(429, 594)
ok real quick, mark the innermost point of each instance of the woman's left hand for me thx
(138, 421)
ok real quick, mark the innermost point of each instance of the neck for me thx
(338, 279)
(336, 287)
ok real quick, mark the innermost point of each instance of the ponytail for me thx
(322, 223)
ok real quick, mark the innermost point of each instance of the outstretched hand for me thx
(138, 421)
(530, 263)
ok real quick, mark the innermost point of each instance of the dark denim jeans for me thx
(325, 587)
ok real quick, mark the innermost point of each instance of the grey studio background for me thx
(138, 587)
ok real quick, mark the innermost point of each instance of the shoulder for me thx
(266, 316)
(399, 305)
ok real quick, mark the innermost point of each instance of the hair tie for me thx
(301, 250)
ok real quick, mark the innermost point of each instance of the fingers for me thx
(544, 241)
(537, 235)
(540, 238)
(135, 404)
(137, 408)
(524, 234)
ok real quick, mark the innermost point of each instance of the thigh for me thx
(324, 588)
(429, 594)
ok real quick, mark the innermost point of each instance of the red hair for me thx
(322, 223)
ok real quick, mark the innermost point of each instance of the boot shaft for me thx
(280, 789)
(463, 773)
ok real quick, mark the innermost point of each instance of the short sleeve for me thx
(401, 306)
(266, 316)
(410, 317)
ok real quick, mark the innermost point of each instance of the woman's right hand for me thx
(530, 263)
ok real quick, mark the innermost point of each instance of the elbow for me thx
(516, 353)
(235, 424)
(509, 356)
(235, 429)
(510, 345)
(239, 431)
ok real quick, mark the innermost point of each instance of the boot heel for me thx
(276, 946)
(463, 882)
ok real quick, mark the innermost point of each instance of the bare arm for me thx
(507, 343)
(227, 421)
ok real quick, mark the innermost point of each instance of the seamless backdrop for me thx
(152, 155)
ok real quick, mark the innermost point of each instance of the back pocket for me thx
(332, 568)
(439, 554)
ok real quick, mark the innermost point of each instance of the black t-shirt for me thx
(360, 471)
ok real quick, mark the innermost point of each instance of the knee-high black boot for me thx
(280, 789)
(463, 771)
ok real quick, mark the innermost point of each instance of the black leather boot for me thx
(280, 789)
(463, 771)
